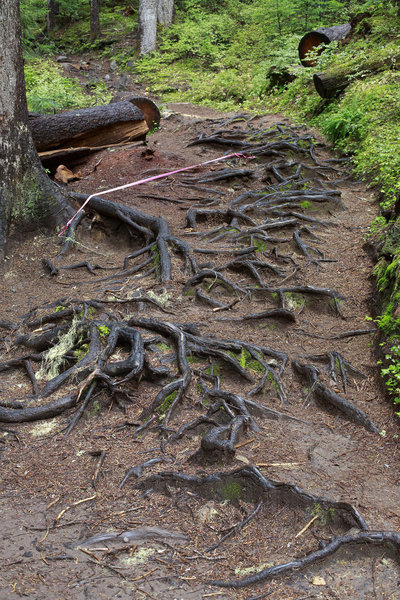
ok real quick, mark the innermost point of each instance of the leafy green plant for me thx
(103, 330)
(33, 17)
(377, 227)
(391, 373)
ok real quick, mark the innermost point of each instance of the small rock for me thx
(317, 580)
(122, 82)
(62, 58)
(113, 65)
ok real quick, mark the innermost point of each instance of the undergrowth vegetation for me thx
(48, 91)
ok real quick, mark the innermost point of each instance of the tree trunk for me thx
(96, 126)
(147, 26)
(27, 196)
(324, 35)
(152, 12)
(165, 12)
(52, 12)
(94, 19)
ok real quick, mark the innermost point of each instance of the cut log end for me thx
(328, 86)
(309, 43)
(150, 110)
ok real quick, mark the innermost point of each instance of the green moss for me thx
(166, 404)
(273, 383)
(196, 360)
(324, 515)
(214, 369)
(248, 362)
(305, 204)
(96, 408)
(162, 346)
(156, 260)
(259, 244)
(79, 353)
(231, 491)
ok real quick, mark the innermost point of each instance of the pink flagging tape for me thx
(128, 185)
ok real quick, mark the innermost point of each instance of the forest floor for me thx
(280, 237)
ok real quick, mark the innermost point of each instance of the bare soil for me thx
(48, 504)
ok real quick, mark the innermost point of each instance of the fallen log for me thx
(332, 82)
(149, 109)
(325, 35)
(96, 126)
(328, 85)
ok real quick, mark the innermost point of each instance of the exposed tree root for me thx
(252, 486)
(36, 413)
(331, 398)
(258, 241)
(376, 538)
(84, 352)
(257, 245)
(236, 528)
(154, 230)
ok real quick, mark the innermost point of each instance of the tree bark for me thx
(147, 26)
(165, 12)
(328, 85)
(152, 12)
(52, 12)
(27, 196)
(94, 19)
(96, 126)
(314, 39)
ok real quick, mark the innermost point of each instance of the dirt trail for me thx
(258, 231)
